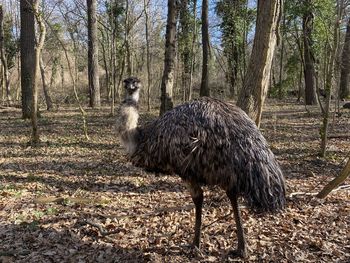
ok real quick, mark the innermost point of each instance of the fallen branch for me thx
(65, 200)
(217, 220)
(336, 181)
(301, 193)
(100, 228)
(339, 136)
(13, 253)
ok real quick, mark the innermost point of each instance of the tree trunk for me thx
(309, 60)
(105, 41)
(333, 52)
(27, 46)
(344, 88)
(2, 84)
(48, 100)
(129, 61)
(255, 86)
(336, 181)
(280, 86)
(204, 90)
(193, 57)
(94, 85)
(6, 79)
(55, 62)
(169, 59)
(38, 48)
(148, 55)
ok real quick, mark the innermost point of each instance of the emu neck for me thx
(134, 97)
(127, 123)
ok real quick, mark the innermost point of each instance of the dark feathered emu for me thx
(205, 142)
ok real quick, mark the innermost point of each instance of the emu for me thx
(205, 142)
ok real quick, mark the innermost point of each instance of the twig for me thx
(217, 220)
(342, 187)
(301, 193)
(12, 253)
(102, 231)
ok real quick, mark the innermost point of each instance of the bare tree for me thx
(27, 46)
(94, 85)
(309, 60)
(336, 181)
(38, 48)
(6, 79)
(169, 58)
(204, 90)
(193, 57)
(48, 100)
(252, 95)
(148, 54)
(344, 90)
(329, 78)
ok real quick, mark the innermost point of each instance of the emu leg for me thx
(197, 197)
(242, 247)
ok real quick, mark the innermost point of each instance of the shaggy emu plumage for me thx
(205, 142)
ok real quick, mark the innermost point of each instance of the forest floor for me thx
(72, 200)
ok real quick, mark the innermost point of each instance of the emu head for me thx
(132, 87)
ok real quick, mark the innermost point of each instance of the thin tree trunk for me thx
(336, 181)
(48, 100)
(127, 41)
(55, 62)
(27, 45)
(113, 60)
(193, 57)
(105, 63)
(38, 48)
(252, 96)
(6, 79)
(344, 87)
(309, 60)
(94, 85)
(169, 59)
(329, 82)
(2, 83)
(280, 87)
(204, 90)
(73, 79)
(148, 55)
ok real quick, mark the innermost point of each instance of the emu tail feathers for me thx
(263, 186)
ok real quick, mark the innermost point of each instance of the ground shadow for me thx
(32, 242)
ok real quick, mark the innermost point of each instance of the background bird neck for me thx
(134, 97)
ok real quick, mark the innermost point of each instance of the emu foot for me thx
(238, 253)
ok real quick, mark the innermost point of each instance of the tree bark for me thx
(255, 86)
(148, 54)
(331, 69)
(193, 45)
(169, 59)
(130, 66)
(38, 48)
(336, 181)
(204, 90)
(27, 46)
(48, 100)
(309, 60)
(344, 89)
(94, 85)
(6, 79)
(184, 45)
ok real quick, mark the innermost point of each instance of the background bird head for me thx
(132, 87)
